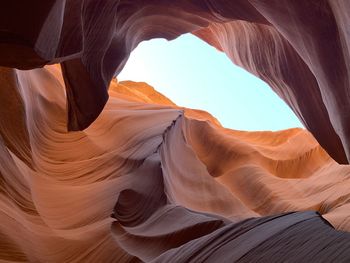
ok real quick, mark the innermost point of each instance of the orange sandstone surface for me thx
(172, 175)
(92, 170)
(300, 48)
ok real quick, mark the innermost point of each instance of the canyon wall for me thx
(300, 48)
(170, 175)
(92, 170)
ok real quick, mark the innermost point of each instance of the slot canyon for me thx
(93, 169)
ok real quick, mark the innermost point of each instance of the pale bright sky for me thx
(195, 75)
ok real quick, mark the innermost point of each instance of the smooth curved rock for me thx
(301, 48)
(143, 179)
(173, 177)
(293, 237)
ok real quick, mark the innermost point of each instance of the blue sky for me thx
(195, 75)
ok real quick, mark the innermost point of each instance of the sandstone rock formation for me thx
(301, 48)
(142, 179)
(170, 175)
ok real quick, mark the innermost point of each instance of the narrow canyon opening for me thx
(194, 74)
(92, 170)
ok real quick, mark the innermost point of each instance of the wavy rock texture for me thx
(150, 181)
(301, 48)
(179, 184)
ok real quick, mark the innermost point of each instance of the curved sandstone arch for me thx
(171, 175)
(142, 179)
(298, 47)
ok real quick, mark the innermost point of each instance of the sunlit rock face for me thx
(152, 181)
(139, 178)
(301, 48)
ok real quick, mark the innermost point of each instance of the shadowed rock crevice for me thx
(178, 174)
(302, 60)
(187, 189)
(292, 237)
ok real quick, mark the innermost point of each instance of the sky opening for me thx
(195, 75)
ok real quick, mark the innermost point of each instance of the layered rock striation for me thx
(152, 181)
(139, 178)
(301, 48)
